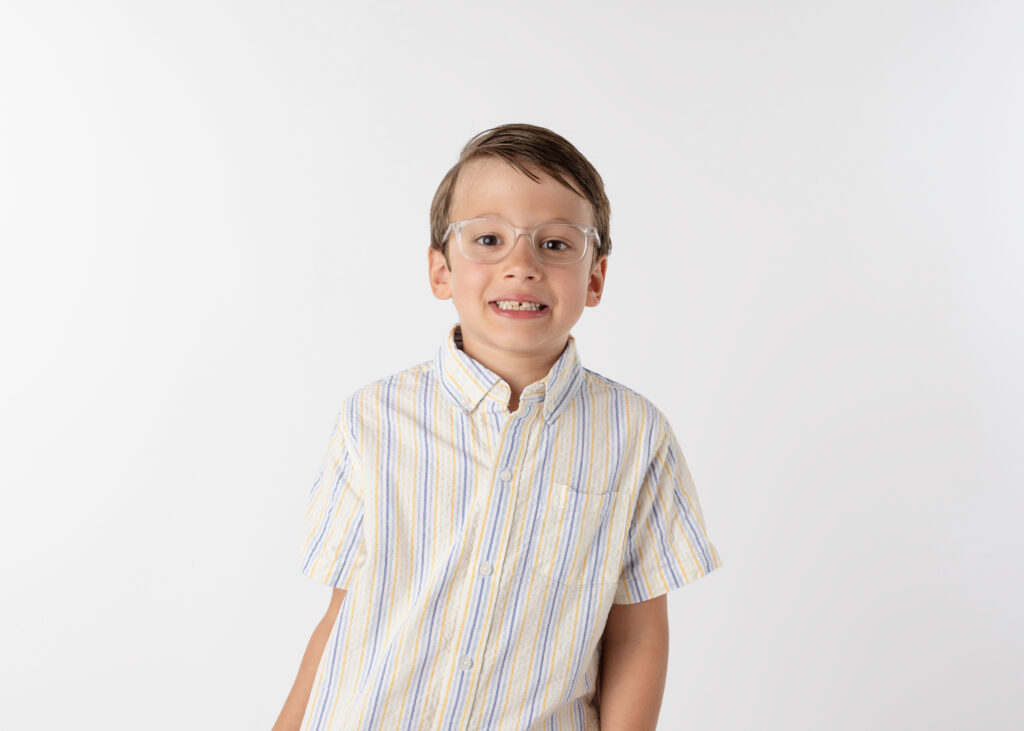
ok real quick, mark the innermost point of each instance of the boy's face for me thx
(490, 187)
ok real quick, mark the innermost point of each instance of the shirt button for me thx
(505, 475)
(466, 662)
(485, 568)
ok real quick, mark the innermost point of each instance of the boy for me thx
(500, 525)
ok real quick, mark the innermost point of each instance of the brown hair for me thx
(521, 146)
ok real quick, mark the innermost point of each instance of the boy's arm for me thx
(295, 706)
(634, 663)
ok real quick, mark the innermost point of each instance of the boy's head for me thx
(519, 242)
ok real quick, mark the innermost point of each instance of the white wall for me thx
(213, 219)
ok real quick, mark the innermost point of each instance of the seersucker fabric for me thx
(481, 550)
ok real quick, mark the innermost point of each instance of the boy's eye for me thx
(487, 240)
(555, 245)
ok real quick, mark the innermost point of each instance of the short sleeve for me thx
(333, 548)
(667, 546)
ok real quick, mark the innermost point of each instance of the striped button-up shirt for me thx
(481, 550)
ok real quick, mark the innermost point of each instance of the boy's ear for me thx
(437, 270)
(596, 284)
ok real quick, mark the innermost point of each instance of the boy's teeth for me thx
(512, 305)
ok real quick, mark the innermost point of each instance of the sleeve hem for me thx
(336, 577)
(632, 592)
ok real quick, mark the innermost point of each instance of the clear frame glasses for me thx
(489, 240)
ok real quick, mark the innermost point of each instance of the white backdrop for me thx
(213, 220)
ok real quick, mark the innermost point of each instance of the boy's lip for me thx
(519, 298)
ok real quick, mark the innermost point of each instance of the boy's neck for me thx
(517, 371)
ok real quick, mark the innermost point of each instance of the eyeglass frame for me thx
(588, 231)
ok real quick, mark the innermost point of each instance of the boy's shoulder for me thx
(378, 397)
(386, 388)
(601, 387)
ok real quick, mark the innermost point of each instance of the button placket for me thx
(508, 454)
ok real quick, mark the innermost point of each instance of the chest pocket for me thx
(573, 546)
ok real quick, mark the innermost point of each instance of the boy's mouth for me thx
(517, 305)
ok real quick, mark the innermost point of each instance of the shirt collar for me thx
(467, 382)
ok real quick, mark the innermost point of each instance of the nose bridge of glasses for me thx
(530, 234)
